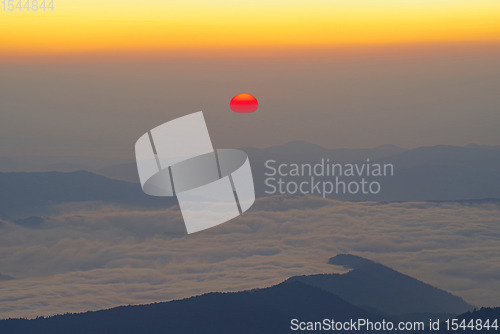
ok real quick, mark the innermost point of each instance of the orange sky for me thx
(84, 26)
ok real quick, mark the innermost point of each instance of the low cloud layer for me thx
(93, 256)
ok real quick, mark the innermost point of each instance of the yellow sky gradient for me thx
(83, 26)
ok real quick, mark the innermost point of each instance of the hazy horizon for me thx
(335, 99)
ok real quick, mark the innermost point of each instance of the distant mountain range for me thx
(438, 173)
(6, 277)
(422, 174)
(26, 194)
(291, 152)
(268, 310)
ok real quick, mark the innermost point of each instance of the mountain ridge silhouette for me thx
(265, 310)
(373, 285)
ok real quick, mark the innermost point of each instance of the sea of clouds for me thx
(89, 256)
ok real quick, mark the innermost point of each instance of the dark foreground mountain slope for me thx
(260, 311)
(373, 285)
(32, 192)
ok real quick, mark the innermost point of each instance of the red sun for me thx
(244, 103)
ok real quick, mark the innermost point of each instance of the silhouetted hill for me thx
(126, 172)
(270, 310)
(31, 192)
(6, 277)
(349, 261)
(373, 285)
(261, 311)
